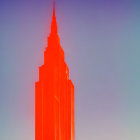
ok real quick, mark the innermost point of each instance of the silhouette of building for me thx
(54, 93)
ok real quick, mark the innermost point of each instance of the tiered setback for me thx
(54, 94)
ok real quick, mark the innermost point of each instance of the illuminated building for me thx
(54, 93)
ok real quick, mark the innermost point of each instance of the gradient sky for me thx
(101, 40)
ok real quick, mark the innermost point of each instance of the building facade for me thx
(54, 93)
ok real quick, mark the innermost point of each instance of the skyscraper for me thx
(54, 93)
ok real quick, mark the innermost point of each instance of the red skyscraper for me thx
(54, 93)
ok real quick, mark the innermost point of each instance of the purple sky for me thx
(102, 49)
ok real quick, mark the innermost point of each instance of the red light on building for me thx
(54, 93)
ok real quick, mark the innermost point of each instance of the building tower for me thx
(54, 93)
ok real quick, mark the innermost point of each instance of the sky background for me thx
(101, 40)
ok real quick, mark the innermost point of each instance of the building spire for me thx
(53, 7)
(54, 23)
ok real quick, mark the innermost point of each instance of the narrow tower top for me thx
(53, 7)
(54, 23)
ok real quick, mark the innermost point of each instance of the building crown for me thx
(54, 22)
